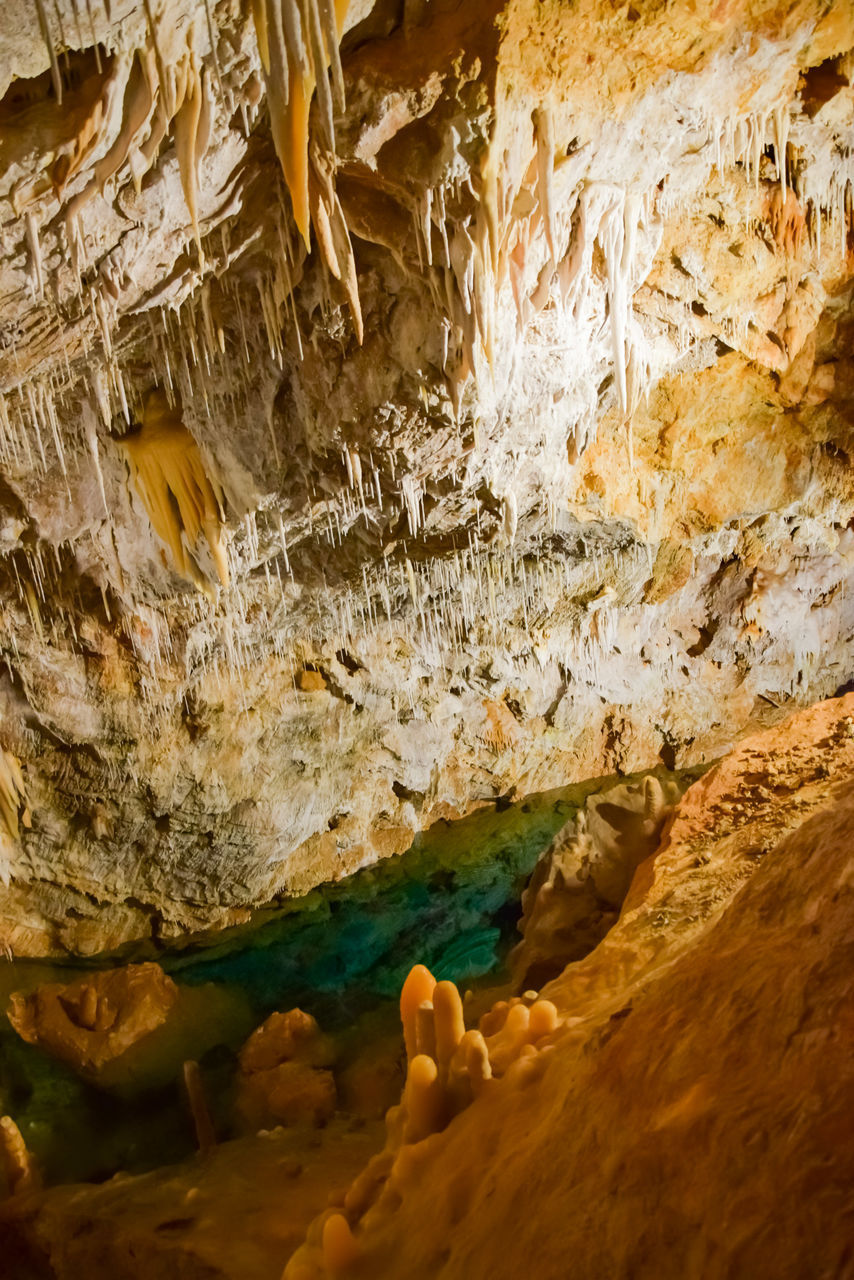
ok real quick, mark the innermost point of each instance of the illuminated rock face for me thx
(499, 356)
(639, 1114)
(90, 1023)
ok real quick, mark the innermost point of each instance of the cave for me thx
(426, 639)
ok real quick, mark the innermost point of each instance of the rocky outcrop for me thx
(506, 360)
(240, 1212)
(638, 1115)
(579, 884)
(93, 1021)
(707, 1037)
(284, 1077)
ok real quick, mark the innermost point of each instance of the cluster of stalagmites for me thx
(284, 1075)
(448, 1067)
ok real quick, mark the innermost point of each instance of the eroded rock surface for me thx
(677, 1103)
(509, 378)
(696, 1049)
(239, 1213)
(284, 1077)
(91, 1022)
(581, 881)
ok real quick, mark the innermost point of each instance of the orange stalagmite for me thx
(448, 1069)
(417, 989)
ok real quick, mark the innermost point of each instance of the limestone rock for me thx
(237, 1215)
(93, 1021)
(578, 886)
(682, 1061)
(676, 1066)
(283, 1078)
(507, 365)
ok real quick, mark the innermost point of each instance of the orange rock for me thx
(579, 883)
(291, 1094)
(311, 681)
(282, 1080)
(93, 1021)
(285, 1037)
(689, 1107)
(372, 1083)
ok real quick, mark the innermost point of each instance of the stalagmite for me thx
(340, 1249)
(423, 1098)
(460, 1067)
(450, 1025)
(87, 1010)
(21, 1173)
(417, 988)
(205, 1134)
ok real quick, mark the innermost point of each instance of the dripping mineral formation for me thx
(401, 412)
(645, 1074)
(413, 412)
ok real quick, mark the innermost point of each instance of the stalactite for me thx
(190, 142)
(298, 44)
(544, 128)
(138, 102)
(34, 246)
(168, 471)
(51, 50)
(14, 809)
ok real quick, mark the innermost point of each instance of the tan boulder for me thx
(283, 1077)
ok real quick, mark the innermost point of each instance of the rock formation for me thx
(284, 1077)
(93, 1021)
(403, 405)
(411, 408)
(582, 879)
(677, 1103)
(642, 1116)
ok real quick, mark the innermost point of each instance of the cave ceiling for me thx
(403, 407)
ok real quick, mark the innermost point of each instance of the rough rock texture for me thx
(533, 469)
(239, 1213)
(93, 1021)
(692, 1113)
(581, 881)
(678, 1103)
(284, 1077)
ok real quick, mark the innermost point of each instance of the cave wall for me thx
(514, 426)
